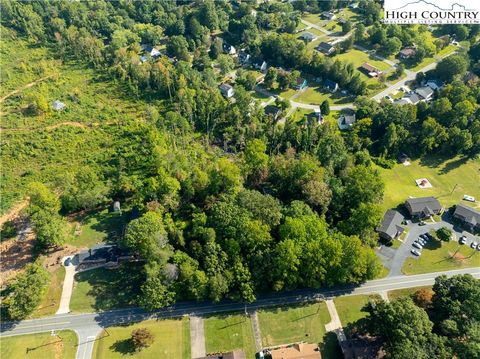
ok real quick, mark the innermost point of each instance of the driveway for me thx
(414, 231)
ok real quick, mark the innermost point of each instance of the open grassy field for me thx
(40, 346)
(228, 332)
(399, 293)
(437, 257)
(103, 289)
(450, 179)
(171, 340)
(89, 229)
(283, 325)
(349, 308)
(50, 302)
(315, 95)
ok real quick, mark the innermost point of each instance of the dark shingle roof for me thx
(391, 223)
(469, 214)
(426, 205)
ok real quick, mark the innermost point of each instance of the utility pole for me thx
(454, 188)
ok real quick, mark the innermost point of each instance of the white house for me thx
(260, 65)
(227, 90)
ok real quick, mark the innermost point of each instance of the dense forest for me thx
(223, 202)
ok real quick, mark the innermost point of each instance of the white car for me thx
(415, 252)
(474, 245)
(468, 198)
(417, 245)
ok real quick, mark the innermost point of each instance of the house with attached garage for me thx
(425, 93)
(469, 217)
(391, 226)
(423, 207)
(370, 70)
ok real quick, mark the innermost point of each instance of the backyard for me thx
(40, 346)
(442, 256)
(228, 332)
(171, 340)
(104, 289)
(450, 180)
(284, 325)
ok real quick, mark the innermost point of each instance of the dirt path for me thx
(24, 87)
(57, 125)
(14, 211)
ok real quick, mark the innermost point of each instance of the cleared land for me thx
(442, 256)
(292, 324)
(229, 332)
(171, 340)
(40, 346)
(349, 308)
(399, 293)
(103, 289)
(450, 179)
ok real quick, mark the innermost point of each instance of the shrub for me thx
(444, 234)
(8, 231)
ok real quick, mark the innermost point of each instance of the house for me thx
(272, 111)
(469, 217)
(58, 105)
(236, 354)
(226, 90)
(425, 93)
(403, 158)
(301, 83)
(243, 57)
(342, 21)
(326, 48)
(330, 85)
(229, 49)
(402, 101)
(346, 121)
(412, 98)
(423, 207)
(329, 15)
(407, 52)
(297, 351)
(370, 70)
(260, 64)
(150, 50)
(307, 37)
(391, 228)
(434, 84)
(353, 5)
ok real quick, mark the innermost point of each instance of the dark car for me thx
(422, 223)
(424, 236)
(462, 240)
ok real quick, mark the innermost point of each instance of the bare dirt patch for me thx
(457, 256)
(14, 212)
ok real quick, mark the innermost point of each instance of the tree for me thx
(346, 27)
(142, 338)
(270, 77)
(154, 294)
(177, 47)
(400, 70)
(225, 62)
(51, 229)
(325, 107)
(423, 298)
(451, 66)
(444, 234)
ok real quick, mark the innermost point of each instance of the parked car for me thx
(415, 252)
(429, 236)
(417, 245)
(478, 247)
(422, 242)
(424, 237)
(462, 240)
(474, 245)
(468, 198)
(422, 223)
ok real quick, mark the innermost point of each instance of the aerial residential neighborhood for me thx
(267, 179)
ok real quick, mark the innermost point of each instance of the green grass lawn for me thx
(357, 58)
(313, 18)
(40, 346)
(315, 95)
(349, 308)
(50, 302)
(104, 289)
(437, 256)
(93, 228)
(450, 179)
(171, 340)
(283, 325)
(332, 26)
(228, 332)
(399, 293)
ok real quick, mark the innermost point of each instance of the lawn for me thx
(228, 332)
(400, 293)
(50, 302)
(283, 325)
(104, 289)
(437, 256)
(171, 340)
(450, 179)
(349, 308)
(40, 346)
(314, 94)
(313, 18)
(93, 228)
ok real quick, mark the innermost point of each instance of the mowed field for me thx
(63, 345)
(171, 340)
(450, 180)
(224, 333)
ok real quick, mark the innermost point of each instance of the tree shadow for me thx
(453, 164)
(124, 346)
(330, 347)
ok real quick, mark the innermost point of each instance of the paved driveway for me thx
(403, 252)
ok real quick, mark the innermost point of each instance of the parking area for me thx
(395, 258)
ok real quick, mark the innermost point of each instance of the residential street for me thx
(89, 325)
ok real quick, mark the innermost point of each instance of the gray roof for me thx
(324, 47)
(225, 87)
(424, 92)
(425, 205)
(348, 119)
(391, 223)
(413, 97)
(271, 110)
(469, 214)
(307, 35)
(330, 84)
